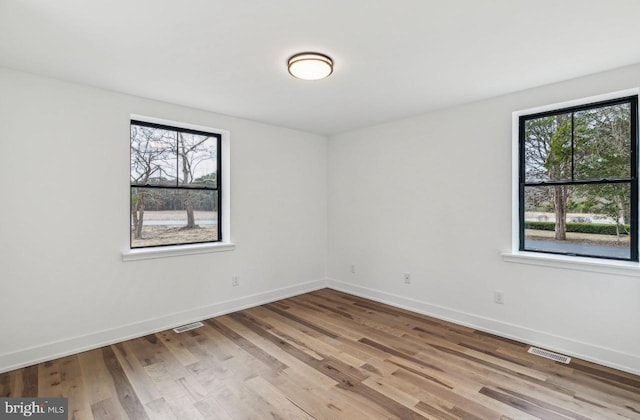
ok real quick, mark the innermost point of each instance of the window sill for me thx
(595, 265)
(175, 251)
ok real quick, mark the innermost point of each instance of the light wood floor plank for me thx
(326, 355)
(144, 386)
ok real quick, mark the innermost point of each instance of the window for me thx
(578, 185)
(175, 185)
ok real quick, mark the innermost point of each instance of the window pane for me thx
(170, 216)
(596, 217)
(153, 156)
(197, 160)
(547, 148)
(603, 142)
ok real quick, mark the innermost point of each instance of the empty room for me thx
(319, 209)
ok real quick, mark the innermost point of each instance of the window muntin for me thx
(175, 185)
(578, 166)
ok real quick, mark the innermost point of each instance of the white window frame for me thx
(599, 265)
(227, 243)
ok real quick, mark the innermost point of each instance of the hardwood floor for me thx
(326, 355)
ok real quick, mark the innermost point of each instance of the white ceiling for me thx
(393, 58)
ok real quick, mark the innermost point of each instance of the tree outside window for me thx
(578, 180)
(175, 185)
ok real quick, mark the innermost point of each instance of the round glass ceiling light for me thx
(310, 66)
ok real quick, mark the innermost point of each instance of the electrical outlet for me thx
(498, 297)
(235, 281)
(407, 278)
(353, 269)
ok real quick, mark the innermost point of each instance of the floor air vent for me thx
(549, 355)
(189, 327)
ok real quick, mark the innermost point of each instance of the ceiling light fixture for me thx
(310, 66)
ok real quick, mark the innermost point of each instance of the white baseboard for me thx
(73, 345)
(600, 355)
(604, 356)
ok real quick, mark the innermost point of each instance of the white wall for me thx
(64, 166)
(431, 196)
